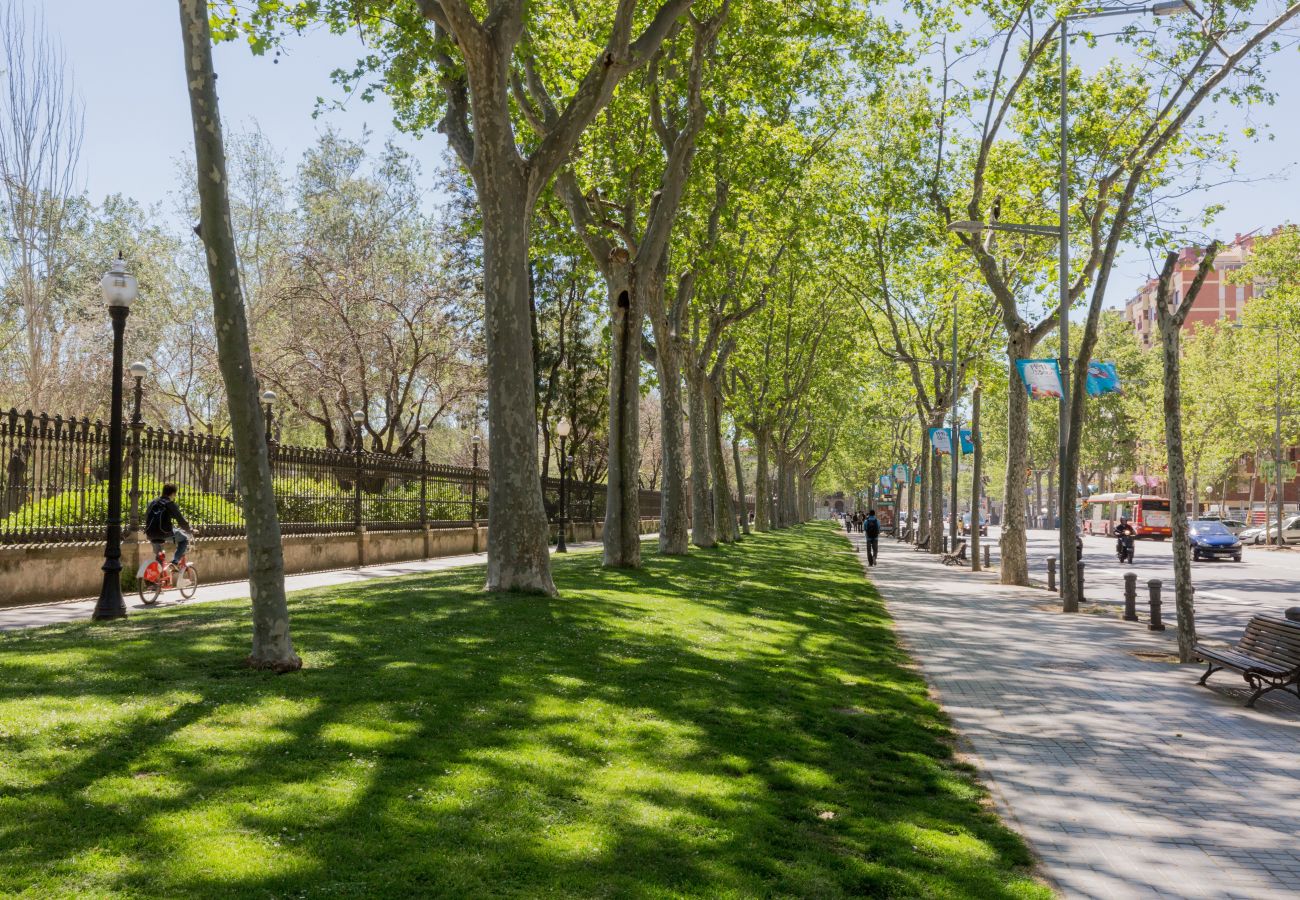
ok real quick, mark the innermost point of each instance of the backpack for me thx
(153, 517)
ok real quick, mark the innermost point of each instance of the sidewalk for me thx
(17, 617)
(1126, 778)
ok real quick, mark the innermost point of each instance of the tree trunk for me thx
(272, 643)
(977, 474)
(674, 516)
(1169, 340)
(922, 469)
(704, 531)
(622, 538)
(518, 535)
(742, 510)
(936, 502)
(1014, 567)
(911, 498)
(762, 490)
(724, 515)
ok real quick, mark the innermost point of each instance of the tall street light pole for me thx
(562, 429)
(357, 418)
(1066, 470)
(119, 290)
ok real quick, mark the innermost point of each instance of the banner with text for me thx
(1042, 378)
(941, 440)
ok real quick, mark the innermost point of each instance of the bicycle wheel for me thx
(149, 591)
(187, 581)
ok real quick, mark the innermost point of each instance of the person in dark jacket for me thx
(871, 530)
(160, 520)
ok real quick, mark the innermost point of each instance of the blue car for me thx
(1210, 540)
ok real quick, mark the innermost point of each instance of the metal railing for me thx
(53, 484)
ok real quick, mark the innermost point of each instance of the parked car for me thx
(1211, 540)
(965, 525)
(1236, 526)
(1267, 534)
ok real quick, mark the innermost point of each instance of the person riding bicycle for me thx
(160, 520)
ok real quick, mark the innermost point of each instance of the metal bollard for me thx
(1080, 571)
(1130, 596)
(945, 543)
(986, 556)
(1051, 573)
(1153, 586)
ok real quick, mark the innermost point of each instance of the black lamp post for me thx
(562, 429)
(138, 370)
(473, 491)
(119, 290)
(357, 418)
(424, 474)
(269, 398)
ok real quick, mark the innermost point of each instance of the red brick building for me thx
(1218, 300)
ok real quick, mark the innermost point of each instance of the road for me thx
(1227, 593)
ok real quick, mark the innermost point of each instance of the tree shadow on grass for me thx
(724, 724)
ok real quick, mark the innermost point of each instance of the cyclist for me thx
(160, 520)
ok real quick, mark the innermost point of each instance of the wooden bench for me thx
(956, 557)
(924, 545)
(1267, 656)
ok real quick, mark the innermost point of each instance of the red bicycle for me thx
(161, 575)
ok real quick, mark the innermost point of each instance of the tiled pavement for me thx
(1126, 778)
(35, 615)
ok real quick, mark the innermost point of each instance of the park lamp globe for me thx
(268, 397)
(562, 428)
(422, 429)
(138, 369)
(118, 286)
(1171, 8)
(358, 416)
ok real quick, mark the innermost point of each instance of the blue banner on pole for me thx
(1042, 378)
(967, 441)
(886, 483)
(1102, 378)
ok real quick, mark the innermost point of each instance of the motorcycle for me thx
(1124, 548)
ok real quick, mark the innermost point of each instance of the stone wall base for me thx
(41, 573)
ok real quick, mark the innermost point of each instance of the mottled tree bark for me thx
(1014, 568)
(272, 643)
(762, 488)
(1170, 318)
(674, 516)
(742, 510)
(704, 531)
(622, 535)
(724, 515)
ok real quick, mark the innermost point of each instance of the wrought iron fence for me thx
(54, 484)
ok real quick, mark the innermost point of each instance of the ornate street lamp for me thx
(562, 428)
(268, 399)
(138, 371)
(357, 418)
(119, 290)
(473, 490)
(423, 431)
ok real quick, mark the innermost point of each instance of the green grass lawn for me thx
(735, 723)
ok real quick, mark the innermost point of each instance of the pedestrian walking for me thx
(871, 531)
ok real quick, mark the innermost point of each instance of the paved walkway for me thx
(1126, 778)
(16, 617)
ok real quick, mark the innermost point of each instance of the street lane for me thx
(1227, 593)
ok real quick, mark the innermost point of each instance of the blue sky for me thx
(125, 57)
